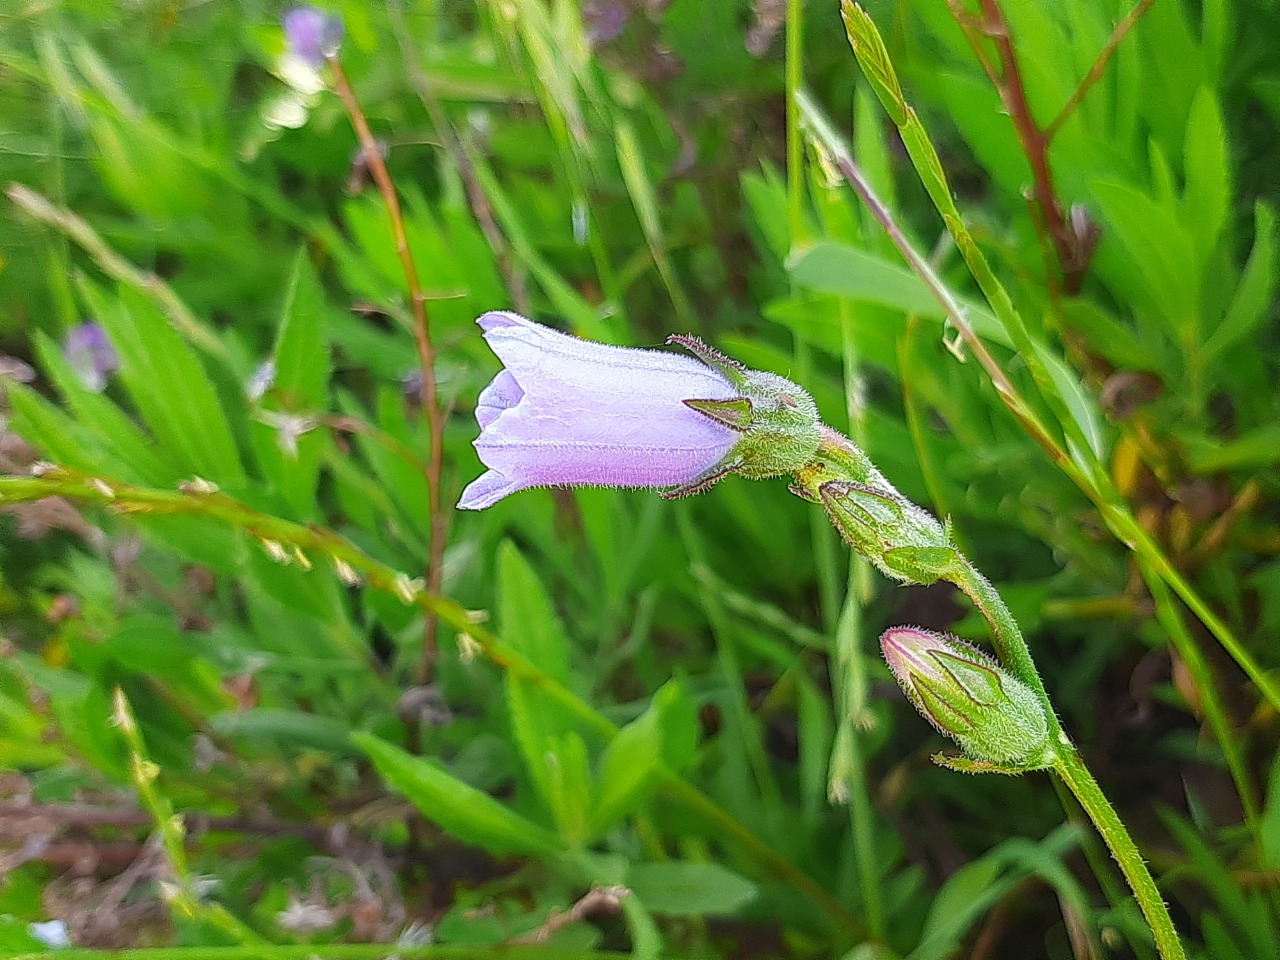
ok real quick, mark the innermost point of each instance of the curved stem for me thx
(1071, 768)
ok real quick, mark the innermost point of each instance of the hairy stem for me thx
(1071, 768)
(878, 538)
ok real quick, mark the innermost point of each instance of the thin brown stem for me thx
(596, 900)
(1098, 69)
(460, 153)
(1073, 256)
(426, 355)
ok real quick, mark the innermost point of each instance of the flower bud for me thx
(970, 698)
(901, 539)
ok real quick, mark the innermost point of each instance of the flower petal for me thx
(488, 490)
(501, 394)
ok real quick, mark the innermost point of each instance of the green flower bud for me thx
(969, 697)
(904, 541)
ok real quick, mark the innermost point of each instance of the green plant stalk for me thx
(289, 542)
(839, 457)
(1072, 770)
(1086, 471)
(1094, 483)
(181, 895)
(848, 760)
(848, 771)
(1211, 703)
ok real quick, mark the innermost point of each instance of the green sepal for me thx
(922, 565)
(727, 367)
(965, 765)
(734, 414)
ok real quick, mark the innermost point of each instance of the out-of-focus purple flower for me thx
(967, 696)
(91, 355)
(605, 20)
(312, 34)
(570, 412)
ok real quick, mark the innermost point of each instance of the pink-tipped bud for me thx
(968, 696)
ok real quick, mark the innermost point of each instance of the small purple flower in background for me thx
(312, 35)
(570, 412)
(91, 355)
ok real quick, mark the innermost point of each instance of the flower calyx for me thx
(776, 420)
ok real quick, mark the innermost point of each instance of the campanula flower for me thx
(90, 353)
(967, 696)
(312, 35)
(567, 412)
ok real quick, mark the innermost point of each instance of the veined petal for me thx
(567, 412)
(556, 362)
(501, 394)
(487, 490)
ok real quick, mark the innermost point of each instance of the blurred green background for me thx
(682, 699)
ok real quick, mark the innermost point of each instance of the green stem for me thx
(1009, 642)
(895, 532)
(290, 542)
(1071, 768)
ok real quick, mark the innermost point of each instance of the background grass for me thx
(212, 707)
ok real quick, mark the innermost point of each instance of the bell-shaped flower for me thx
(568, 412)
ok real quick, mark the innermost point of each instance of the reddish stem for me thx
(426, 355)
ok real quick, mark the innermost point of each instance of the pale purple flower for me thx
(91, 355)
(570, 412)
(312, 35)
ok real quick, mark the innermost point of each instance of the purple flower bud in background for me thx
(312, 35)
(570, 412)
(91, 355)
(968, 697)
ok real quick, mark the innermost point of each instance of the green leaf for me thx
(569, 780)
(873, 57)
(301, 385)
(288, 730)
(528, 619)
(1253, 294)
(863, 277)
(1253, 450)
(1118, 342)
(530, 624)
(630, 770)
(134, 456)
(1206, 199)
(461, 810)
(1161, 251)
(967, 894)
(53, 433)
(683, 889)
(168, 385)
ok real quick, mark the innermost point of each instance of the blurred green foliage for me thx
(686, 699)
